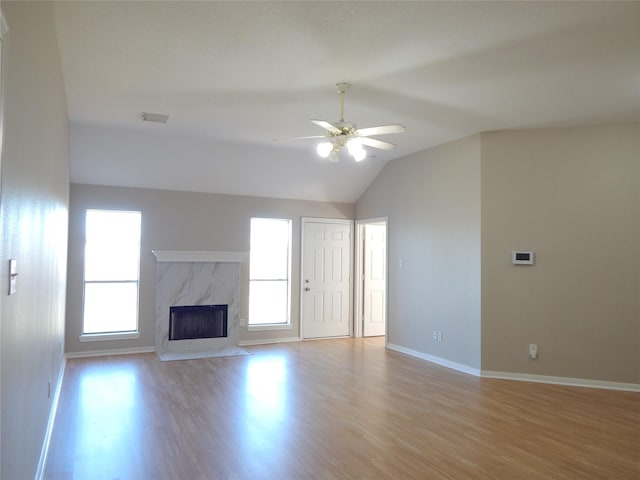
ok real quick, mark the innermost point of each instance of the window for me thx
(270, 271)
(111, 271)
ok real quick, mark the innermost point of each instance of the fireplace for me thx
(197, 321)
(197, 278)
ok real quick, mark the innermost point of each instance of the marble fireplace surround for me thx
(197, 278)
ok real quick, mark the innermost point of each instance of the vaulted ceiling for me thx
(234, 76)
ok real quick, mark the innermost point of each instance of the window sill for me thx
(103, 337)
(273, 326)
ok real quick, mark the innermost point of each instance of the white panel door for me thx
(326, 282)
(374, 295)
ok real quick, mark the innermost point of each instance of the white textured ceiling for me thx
(233, 76)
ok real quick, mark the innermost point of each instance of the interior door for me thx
(326, 282)
(374, 280)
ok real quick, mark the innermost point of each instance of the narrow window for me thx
(111, 271)
(270, 271)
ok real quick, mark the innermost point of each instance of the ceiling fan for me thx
(343, 134)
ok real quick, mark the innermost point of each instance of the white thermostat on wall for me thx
(522, 257)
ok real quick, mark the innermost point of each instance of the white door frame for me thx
(4, 60)
(359, 266)
(342, 221)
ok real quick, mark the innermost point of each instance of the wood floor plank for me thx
(334, 409)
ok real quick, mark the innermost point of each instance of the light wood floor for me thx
(335, 409)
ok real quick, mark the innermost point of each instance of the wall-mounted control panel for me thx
(522, 257)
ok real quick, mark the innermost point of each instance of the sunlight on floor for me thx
(108, 413)
(265, 402)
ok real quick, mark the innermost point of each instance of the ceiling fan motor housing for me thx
(346, 128)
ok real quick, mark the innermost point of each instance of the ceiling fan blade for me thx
(372, 142)
(327, 126)
(298, 138)
(382, 130)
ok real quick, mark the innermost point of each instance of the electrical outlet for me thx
(439, 336)
(434, 335)
(533, 351)
(242, 322)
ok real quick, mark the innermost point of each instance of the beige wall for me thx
(432, 201)
(35, 187)
(572, 195)
(183, 221)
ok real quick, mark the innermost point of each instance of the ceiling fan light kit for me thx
(325, 149)
(355, 149)
(343, 135)
(331, 150)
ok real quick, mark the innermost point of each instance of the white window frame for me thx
(286, 325)
(111, 335)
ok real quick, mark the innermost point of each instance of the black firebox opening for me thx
(197, 321)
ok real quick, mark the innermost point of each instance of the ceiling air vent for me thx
(154, 117)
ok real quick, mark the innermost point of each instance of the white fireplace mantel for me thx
(196, 256)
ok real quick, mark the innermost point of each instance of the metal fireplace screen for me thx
(197, 321)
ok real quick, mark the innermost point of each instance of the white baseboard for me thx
(568, 381)
(437, 360)
(113, 351)
(267, 341)
(313, 339)
(522, 377)
(42, 462)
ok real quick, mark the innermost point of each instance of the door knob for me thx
(307, 289)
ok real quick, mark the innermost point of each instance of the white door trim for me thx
(341, 221)
(358, 313)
